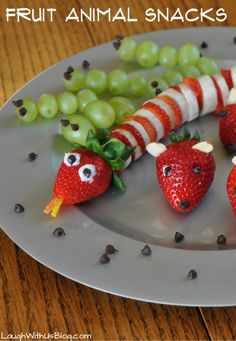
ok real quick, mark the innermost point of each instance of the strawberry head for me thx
(185, 171)
(227, 127)
(231, 186)
(82, 176)
(85, 173)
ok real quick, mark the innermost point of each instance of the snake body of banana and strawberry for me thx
(155, 120)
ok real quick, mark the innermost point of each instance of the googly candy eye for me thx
(87, 173)
(72, 159)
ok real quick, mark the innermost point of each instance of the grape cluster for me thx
(148, 54)
(79, 102)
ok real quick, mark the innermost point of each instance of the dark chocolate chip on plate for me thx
(146, 251)
(110, 249)
(18, 103)
(204, 45)
(104, 259)
(192, 274)
(154, 84)
(85, 65)
(116, 44)
(32, 157)
(221, 239)
(179, 237)
(59, 232)
(19, 208)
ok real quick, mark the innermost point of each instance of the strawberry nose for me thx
(184, 204)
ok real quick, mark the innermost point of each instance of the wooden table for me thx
(34, 298)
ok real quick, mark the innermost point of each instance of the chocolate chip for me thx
(67, 75)
(70, 69)
(22, 111)
(204, 45)
(32, 156)
(179, 237)
(119, 37)
(19, 208)
(64, 122)
(116, 44)
(192, 274)
(197, 169)
(18, 103)
(184, 205)
(110, 250)
(154, 84)
(146, 251)
(158, 91)
(231, 147)
(167, 171)
(234, 40)
(74, 126)
(59, 232)
(223, 113)
(104, 259)
(71, 159)
(85, 65)
(221, 239)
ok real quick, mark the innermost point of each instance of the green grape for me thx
(127, 49)
(76, 129)
(118, 82)
(168, 56)
(190, 71)
(188, 54)
(172, 77)
(161, 84)
(138, 85)
(96, 80)
(84, 97)
(67, 103)
(123, 108)
(207, 66)
(26, 109)
(74, 81)
(147, 54)
(47, 106)
(100, 113)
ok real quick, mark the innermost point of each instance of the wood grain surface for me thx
(34, 298)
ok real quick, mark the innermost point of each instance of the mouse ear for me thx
(204, 147)
(156, 149)
(232, 96)
(234, 160)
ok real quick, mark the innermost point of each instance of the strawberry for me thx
(227, 127)
(196, 88)
(220, 104)
(228, 77)
(185, 170)
(231, 186)
(83, 181)
(86, 173)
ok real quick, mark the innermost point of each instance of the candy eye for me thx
(72, 159)
(167, 170)
(87, 173)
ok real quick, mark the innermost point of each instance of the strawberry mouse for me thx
(185, 170)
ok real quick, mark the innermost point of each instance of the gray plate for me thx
(126, 220)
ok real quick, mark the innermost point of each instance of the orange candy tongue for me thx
(54, 206)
